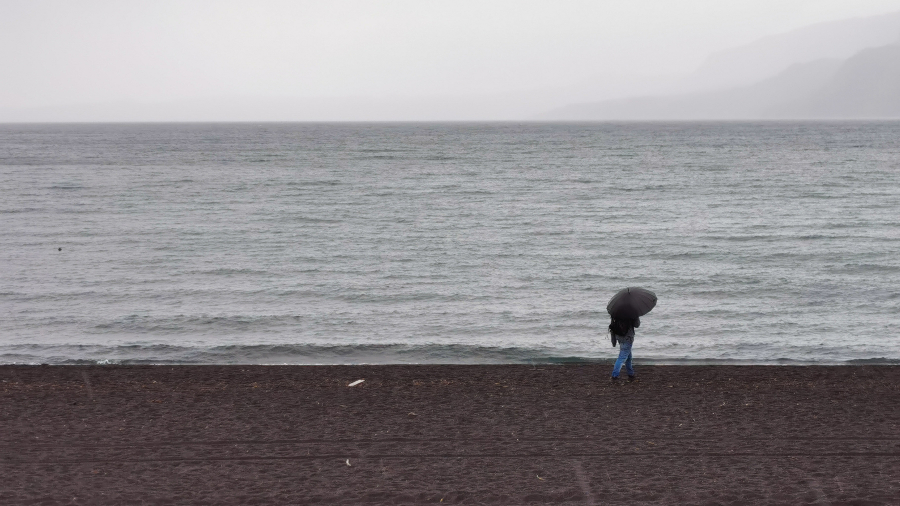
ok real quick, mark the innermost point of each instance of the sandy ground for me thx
(449, 435)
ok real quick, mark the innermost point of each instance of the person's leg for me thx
(629, 367)
(624, 354)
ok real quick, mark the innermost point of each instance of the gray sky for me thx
(71, 52)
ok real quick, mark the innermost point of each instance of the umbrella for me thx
(631, 303)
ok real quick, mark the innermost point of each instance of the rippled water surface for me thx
(302, 243)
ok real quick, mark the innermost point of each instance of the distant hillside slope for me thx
(771, 55)
(799, 82)
(867, 85)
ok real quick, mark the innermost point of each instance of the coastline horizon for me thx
(373, 354)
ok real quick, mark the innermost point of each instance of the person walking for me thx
(622, 331)
(625, 309)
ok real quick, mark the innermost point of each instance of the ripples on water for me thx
(302, 243)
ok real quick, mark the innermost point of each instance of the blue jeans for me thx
(624, 358)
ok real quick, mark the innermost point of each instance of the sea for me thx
(380, 243)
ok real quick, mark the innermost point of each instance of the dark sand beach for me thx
(449, 435)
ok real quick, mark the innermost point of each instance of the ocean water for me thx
(448, 243)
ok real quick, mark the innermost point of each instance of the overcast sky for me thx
(99, 51)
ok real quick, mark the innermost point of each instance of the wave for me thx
(311, 354)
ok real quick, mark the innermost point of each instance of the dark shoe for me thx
(615, 380)
(631, 378)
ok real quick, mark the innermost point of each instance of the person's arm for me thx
(637, 322)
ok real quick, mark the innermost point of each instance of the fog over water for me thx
(410, 60)
(449, 181)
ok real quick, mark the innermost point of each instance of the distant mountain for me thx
(771, 55)
(866, 85)
(796, 83)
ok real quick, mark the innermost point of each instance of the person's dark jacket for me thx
(629, 335)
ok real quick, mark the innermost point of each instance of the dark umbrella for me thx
(631, 303)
